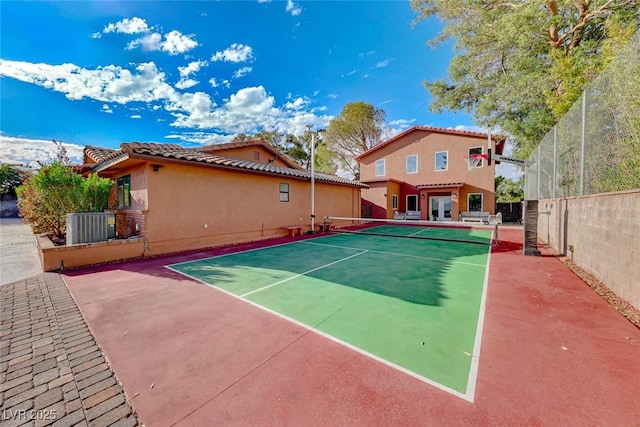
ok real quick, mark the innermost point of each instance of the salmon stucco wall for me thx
(196, 207)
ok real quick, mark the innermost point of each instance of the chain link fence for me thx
(595, 147)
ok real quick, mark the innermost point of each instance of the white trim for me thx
(394, 198)
(384, 167)
(407, 163)
(435, 161)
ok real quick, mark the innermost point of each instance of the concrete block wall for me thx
(601, 233)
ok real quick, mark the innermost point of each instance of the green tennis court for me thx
(413, 303)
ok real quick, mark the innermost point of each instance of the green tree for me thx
(10, 178)
(300, 150)
(520, 65)
(508, 190)
(357, 128)
(55, 190)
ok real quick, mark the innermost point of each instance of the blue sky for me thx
(103, 73)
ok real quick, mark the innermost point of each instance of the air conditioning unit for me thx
(90, 227)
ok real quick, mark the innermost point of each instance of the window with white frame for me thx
(412, 163)
(284, 192)
(380, 167)
(394, 201)
(477, 150)
(442, 163)
(474, 202)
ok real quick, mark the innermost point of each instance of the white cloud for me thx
(150, 42)
(174, 42)
(248, 110)
(107, 84)
(185, 72)
(264, 1)
(97, 35)
(186, 83)
(203, 138)
(293, 8)
(242, 72)
(385, 101)
(213, 82)
(237, 52)
(297, 104)
(332, 96)
(192, 68)
(135, 116)
(350, 73)
(127, 26)
(382, 64)
(28, 152)
(107, 109)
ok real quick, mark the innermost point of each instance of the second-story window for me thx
(380, 167)
(442, 163)
(476, 150)
(412, 164)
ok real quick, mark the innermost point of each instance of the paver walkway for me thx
(51, 369)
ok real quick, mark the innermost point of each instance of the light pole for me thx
(313, 177)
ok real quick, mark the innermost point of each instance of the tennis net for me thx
(413, 229)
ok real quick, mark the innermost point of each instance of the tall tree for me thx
(355, 130)
(300, 150)
(520, 65)
(10, 178)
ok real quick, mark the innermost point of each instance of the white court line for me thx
(336, 340)
(308, 242)
(420, 231)
(303, 274)
(475, 358)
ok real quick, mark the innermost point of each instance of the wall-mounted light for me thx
(156, 167)
(423, 196)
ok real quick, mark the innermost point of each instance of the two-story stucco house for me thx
(424, 171)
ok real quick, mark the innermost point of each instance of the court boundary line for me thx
(420, 231)
(302, 274)
(308, 242)
(365, 353)
(472, 382)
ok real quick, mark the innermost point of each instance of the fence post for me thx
(538, 172)
(555, 161)
(583, 140)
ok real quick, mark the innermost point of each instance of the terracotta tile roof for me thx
(443, 185)
(249, 143)
(97, 154)
(500, 139)
(188, 155)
